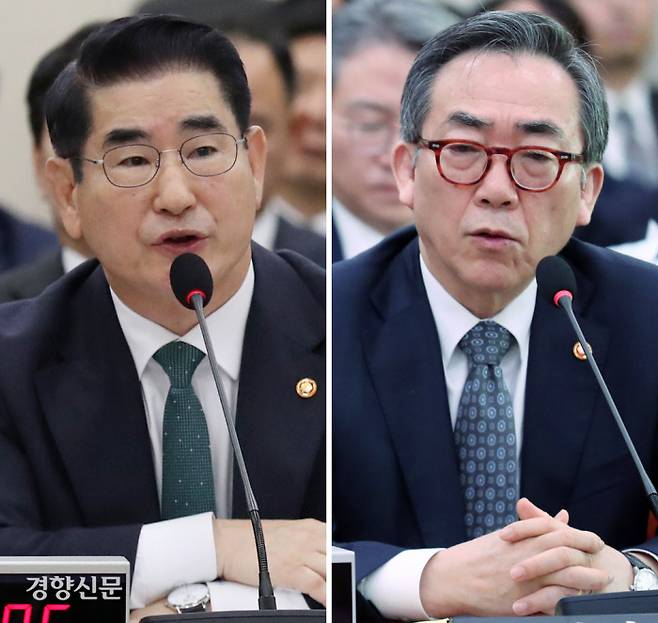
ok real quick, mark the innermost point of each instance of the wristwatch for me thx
(189, 598)
(644, 577)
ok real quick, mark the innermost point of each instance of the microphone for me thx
(192, 285)
(557, 284)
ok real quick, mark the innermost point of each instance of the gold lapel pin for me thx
(579, 351)
(306, 388)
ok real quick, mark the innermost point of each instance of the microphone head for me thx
(190, 275)
(555, 279)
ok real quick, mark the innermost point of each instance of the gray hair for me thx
(406, 23)
(509, 33)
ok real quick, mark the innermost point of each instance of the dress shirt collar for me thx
(265, 227)
(355, 235)
(634, 99)
(226, 326)
(71, 259)
(453, 320)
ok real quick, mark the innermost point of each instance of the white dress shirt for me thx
(355, 235)
(266, 225)
(71, 259)
(636, 100)
(394, 588)
(178, 551)
(645, 249)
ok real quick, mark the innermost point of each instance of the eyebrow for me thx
(358, 105)
(540, 126)
(202, 122)
(468, 120)
(122, 136)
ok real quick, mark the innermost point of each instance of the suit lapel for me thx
(91, 398)
(282, 435)
(561, 394)
(404, 358)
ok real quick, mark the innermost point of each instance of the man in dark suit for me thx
(21, 242)
(476, 469)
(30, 278)
(155, 158)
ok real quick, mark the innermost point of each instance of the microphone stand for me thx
(565, 303)
(267, 611)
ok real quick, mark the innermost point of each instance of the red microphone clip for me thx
(559, 294)
(191, 293)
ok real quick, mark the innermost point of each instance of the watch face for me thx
(645, 580)
(188, 595)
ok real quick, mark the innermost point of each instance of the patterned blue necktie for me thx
(187, 479)
(484, 433)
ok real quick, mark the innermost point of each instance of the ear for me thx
(404, 172)
(257, 154)
(589, 193)
(63, 189)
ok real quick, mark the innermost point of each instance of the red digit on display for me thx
(51, 608)
(9, 608)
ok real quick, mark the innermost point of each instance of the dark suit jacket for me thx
(622, 213)
(624, 207)
(300, 239)
(21, 242)
(76, 472)
(28, 280)
(395, 470)
(336, 245)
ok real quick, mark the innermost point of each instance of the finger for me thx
(525, 509)
(305, 580)
(532, 527)
(553, 532)
(542, 601)
(549, 561)
(585, 541)
(583, 579)
(317, 563)
(563, 516)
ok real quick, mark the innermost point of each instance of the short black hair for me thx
(253, 20)
(138, 47)
(45, 73)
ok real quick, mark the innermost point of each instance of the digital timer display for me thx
(63, 590)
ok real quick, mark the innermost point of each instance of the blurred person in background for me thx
(21, 242)
(559, 10)
(262, 44)
(30, 279)
(374, 44)
(305, 172)
(621, 34)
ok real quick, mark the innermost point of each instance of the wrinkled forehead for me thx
(176, 102)
(499, 87)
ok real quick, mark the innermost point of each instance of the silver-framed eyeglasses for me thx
(531, 168)
(206, 155)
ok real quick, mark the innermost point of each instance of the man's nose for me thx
(173, 184)
(497, 189)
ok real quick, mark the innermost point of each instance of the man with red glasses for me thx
(495, 479)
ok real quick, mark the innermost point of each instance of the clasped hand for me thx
(296, 551)
(523, 569)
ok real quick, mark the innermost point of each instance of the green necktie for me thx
(187, 479)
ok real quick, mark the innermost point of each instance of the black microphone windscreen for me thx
(189, 274)
(554, 275)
